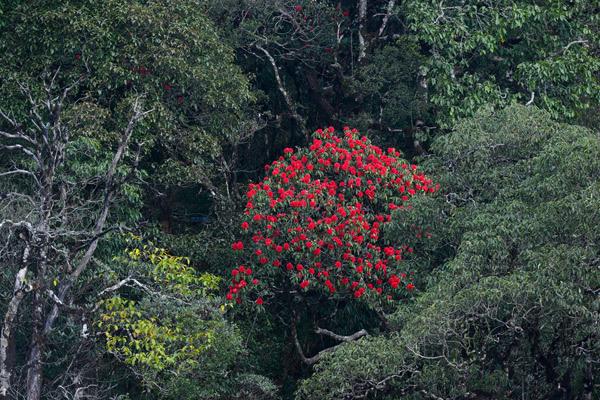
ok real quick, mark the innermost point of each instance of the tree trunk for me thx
(6, 336)
(362, 17)
(34, 372)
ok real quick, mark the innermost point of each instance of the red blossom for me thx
(321, 210)
(394, 281)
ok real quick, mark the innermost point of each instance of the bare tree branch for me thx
(386, 17)
(341, 338)
(109, 193)
(314, 359)
(281, 87)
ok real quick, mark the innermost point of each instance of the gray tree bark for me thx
(362, 20)
(6, 336)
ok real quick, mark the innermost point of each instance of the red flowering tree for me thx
(315, 222)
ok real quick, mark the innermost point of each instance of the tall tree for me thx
(511, 306)
(59, 217)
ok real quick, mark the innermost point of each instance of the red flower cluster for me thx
(316, 220)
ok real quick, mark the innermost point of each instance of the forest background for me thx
(130, 131)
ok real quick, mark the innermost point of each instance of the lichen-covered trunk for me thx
(34, 362)
(362, 24)
(7, 339)
(34, 372)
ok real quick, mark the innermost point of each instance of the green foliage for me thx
(167, 324)
(139, 334)
(389, 89)
(146, 341)
(167, 50)
(496, 52)
(514, 311)
(296, 34)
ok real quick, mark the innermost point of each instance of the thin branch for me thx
(530, 102)
(17, 171)
(386, 17)
(341, 338)
(280, 86)
(122, 283)
(21, 148)
(314, 359)
(20, 224)
(564, 49)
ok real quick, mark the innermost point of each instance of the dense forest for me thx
(299, 199)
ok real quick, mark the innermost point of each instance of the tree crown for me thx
(316, 221)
